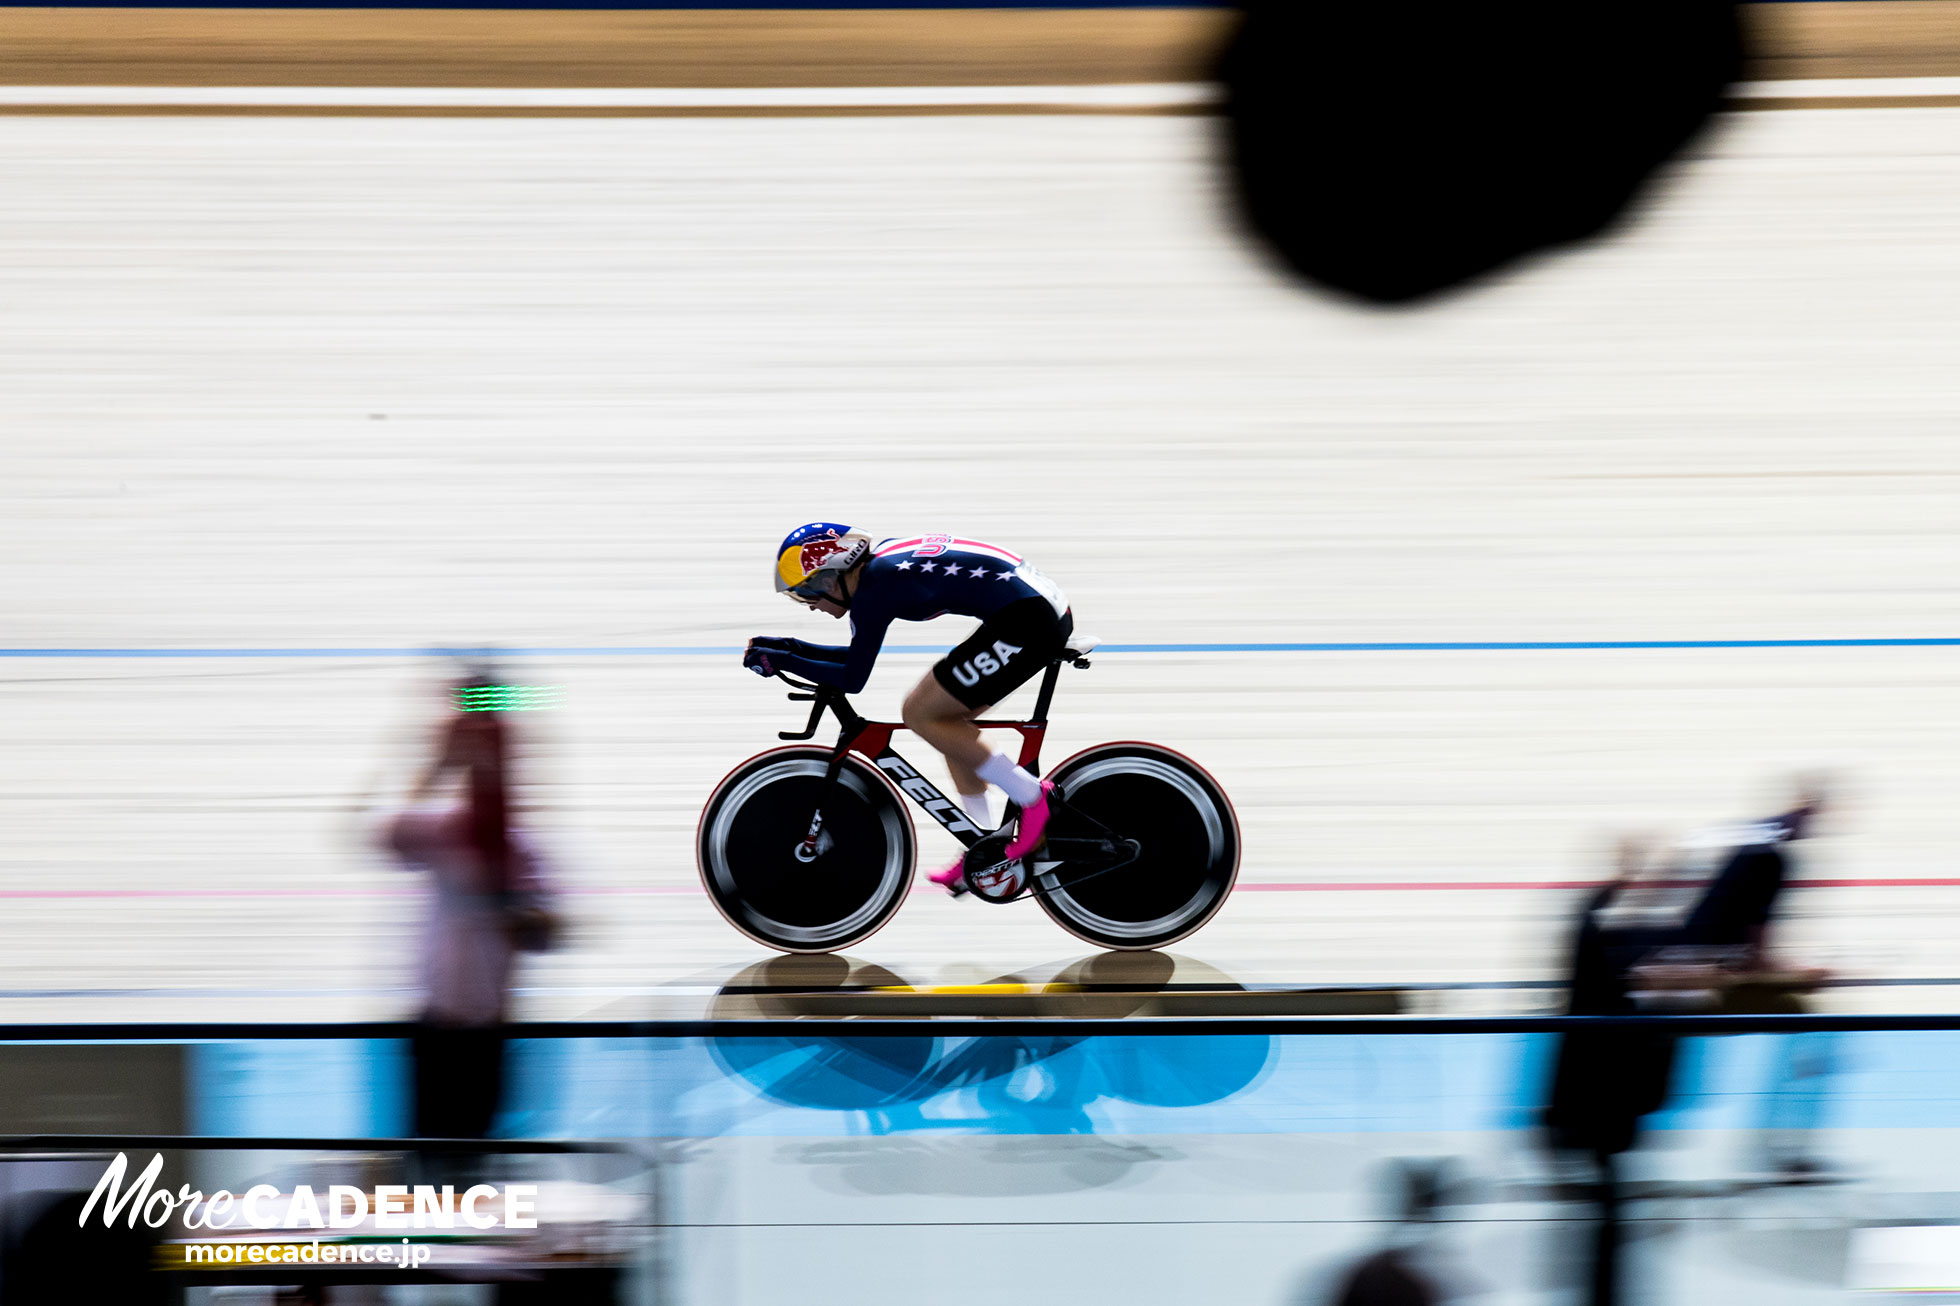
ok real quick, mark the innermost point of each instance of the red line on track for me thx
(1394, 886)
(204, 893)
(603, 889)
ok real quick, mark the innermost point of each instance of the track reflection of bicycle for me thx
(1009, 1084)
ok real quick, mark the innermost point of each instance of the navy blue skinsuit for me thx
(915, 579)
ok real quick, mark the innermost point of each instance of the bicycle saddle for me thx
(1080, 646)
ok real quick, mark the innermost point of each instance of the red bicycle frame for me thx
(873, 739)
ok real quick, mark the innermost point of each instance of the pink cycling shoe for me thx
(953, 878)
(1032, 828)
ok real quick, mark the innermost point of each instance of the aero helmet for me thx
(810, 551)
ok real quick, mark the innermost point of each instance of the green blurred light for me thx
(507, 698)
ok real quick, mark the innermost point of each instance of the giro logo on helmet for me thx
(968, 673)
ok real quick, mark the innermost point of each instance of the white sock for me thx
(979, 809)
(1022, 789)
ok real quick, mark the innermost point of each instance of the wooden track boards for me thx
(750, 48)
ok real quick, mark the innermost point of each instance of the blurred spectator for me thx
(1413, 1268)
(1387, 1279)
(488, 904)
(1724, 951)
(1715, 957)
(1604, 1081)
(1730, 922)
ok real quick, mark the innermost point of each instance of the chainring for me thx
(989, 875)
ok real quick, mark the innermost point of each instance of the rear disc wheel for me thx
(1188, 837)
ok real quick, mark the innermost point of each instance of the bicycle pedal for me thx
(958, 888)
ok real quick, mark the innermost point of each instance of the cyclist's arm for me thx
(781, 649)
(817, 662)
(848, 669)
(837, 653)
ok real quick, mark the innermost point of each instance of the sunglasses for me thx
(817, 587)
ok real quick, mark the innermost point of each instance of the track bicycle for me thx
(810, 849)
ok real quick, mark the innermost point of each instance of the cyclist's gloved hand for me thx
(756, 657)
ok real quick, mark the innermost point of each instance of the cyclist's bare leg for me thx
(932, 713)
(947, 724)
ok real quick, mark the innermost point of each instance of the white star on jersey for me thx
(1003, 575)
(952, 569)
(906, 565)
(925, 566)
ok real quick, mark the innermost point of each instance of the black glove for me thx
(756, 656)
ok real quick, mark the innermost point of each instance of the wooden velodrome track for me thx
(317, 391)
(561, 47)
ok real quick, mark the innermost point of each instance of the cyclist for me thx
(1024, 624)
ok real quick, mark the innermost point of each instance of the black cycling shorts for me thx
(1005, 653)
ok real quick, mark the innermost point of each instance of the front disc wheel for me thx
(749, 848)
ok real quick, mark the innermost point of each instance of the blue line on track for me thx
(729, 650)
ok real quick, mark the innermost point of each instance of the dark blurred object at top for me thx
(1395, 151)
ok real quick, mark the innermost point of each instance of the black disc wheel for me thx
(1188, 837)
(749, 849)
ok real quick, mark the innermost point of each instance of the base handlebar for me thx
(819, 696)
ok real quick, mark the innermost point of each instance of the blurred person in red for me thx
(488, 904)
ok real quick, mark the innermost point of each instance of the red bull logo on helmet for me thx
(801, 559)
(813, 555)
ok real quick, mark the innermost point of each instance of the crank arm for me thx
(1125, 851)
(1077, 816)
(1065, 848)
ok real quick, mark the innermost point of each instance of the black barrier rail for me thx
(1002, 1027)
